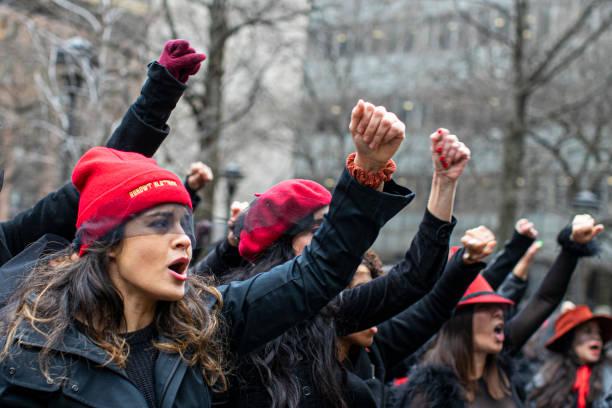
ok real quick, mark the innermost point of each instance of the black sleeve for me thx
(406, 332)
(506, 259)
(408, 281)
(513, 288)
(261, 308)
(54, 214)
(142, 130)
(195, 198)
(549, 294)
(222, 259)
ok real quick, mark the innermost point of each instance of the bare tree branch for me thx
(558, 46)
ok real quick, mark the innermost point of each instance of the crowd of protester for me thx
(103, 303)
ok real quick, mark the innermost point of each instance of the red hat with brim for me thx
(573, 318)
(480, 292)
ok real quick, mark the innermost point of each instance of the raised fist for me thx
(180, 59)
(478, 243)
(377, 134)
(199, 175)
(235, 209)
(449, 155)
(584, 229)
(526, 228)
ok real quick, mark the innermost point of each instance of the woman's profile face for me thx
(363, 338)
(301, 240)
(488, 328)
(152, 259)
(587, 343)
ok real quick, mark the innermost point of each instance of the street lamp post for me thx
(585, 201)
(69, 58)
(232, 174)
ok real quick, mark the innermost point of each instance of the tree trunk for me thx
(514, 142)
(209, 120)
(9, 169)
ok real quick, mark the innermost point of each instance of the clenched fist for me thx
(479, 243)
(584, 229)
(449, 155)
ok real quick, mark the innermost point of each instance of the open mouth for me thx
(498, 331)
(178, 268)
(595, 347)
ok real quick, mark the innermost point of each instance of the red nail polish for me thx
(440, 131)
(445, 165)
(442, 159)
(439, 150)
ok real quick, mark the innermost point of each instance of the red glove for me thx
(180, 59)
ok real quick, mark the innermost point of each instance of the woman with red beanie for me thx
(142, 130)
(120, 322)
(577, 375)
(301, 367)
(469, 362)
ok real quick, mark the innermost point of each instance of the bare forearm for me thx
(442, 197)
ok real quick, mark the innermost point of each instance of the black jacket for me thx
(362, 307)
(504, 261)
(142, 130)
(404, 334)
(256, 311)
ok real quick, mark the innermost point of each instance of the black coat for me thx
(255, 311)
(404, 334)
(360, 308)
(437, 387)
(142, 130)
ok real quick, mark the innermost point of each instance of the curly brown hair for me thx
(60, 290)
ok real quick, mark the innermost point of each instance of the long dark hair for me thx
(557, 376)
(61, 290)
(453, 347)
(310, 344)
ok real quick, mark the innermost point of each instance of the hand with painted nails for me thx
(199, 175)
(478, 244)
(526, 228)
(584, 229)
(377, 134)
(449, 155)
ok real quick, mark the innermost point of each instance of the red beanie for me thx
(115, 185)
(276, 211)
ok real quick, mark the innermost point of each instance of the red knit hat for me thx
(480, 292)
(573, 318)
(115, 185)
(276, 211)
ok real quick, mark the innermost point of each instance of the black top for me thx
(140, 364)
(140, 367)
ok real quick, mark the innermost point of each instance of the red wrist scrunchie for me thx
(372, 179)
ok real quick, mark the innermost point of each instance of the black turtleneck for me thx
(140, 367)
